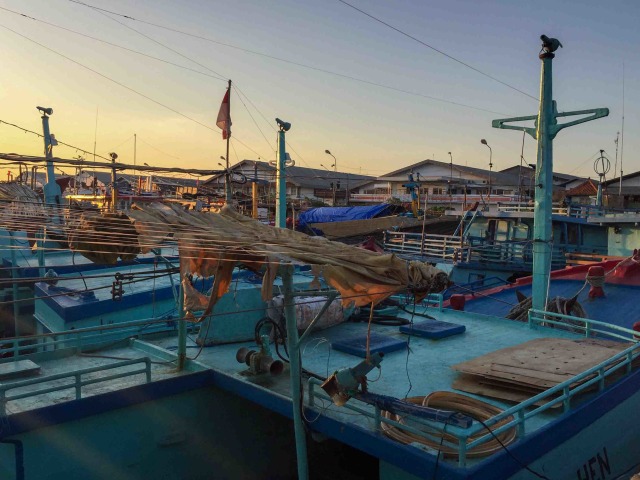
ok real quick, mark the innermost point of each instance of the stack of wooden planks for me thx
(523, 371)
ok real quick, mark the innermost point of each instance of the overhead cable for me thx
(435, 50)
(298, 64)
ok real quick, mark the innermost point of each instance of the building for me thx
(304, 186)
(622, 192)
(443, 183)
(526, 178)
(583, 194)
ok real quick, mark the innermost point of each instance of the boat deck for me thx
(419, 369)
(604, 309)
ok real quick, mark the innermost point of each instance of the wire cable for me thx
(112, 80)
(436, 50)
(298, 64)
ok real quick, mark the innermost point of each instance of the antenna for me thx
(95, 136)
(622, 138)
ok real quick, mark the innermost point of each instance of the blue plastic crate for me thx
(433, 329)
(378, 343)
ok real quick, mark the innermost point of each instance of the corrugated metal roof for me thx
(586, 189)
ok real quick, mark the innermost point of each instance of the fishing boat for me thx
(346, 222)
(456, 393)
(499, 244)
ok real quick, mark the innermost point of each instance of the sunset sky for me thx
(329, 78)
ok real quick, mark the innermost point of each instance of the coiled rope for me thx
(564, 306)
(456, 402)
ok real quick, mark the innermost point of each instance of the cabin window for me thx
(502, 231)
(520, 232)
(573, 235)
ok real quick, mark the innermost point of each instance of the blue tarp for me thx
(341, 214)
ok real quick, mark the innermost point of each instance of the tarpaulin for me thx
(341, 214)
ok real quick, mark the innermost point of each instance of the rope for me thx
(564, 306)
(456, 402)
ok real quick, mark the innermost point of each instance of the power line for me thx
(298, 64)
(217, 77)
(163, 45)
(435, 50)
(254, 120)
(26, 130)
(110, 79)
(182, 55)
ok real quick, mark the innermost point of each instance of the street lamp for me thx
(484, 142)
(335, 162)
(450, 177)
(335, 169)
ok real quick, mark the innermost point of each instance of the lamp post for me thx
(335, 169)
(450, 179)
(484, 142)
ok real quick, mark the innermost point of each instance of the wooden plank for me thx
(553, 356)
(468, 384)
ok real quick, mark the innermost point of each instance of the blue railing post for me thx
(182, 329)
(78, 378)
(286, 272)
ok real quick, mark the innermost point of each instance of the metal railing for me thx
(77, 383)
(511, 252)
(526, 207)
(448, 247)
(82, 337)
(563, 393)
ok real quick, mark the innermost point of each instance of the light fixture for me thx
(285, 126)
(45, 111)
(343, 384)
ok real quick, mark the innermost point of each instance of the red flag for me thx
(224, 117)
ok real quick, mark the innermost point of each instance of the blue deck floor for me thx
(620, 305)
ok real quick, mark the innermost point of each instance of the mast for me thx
(135, 146)
(281, 177)
(622, 139)
(52, 192)
(227, 177)
(545, 131)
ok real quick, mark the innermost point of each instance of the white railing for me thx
(527, 207)
(448, 247)
(432, 198)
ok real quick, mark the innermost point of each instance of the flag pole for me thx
(227, 179)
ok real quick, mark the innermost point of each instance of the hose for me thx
(456, 402)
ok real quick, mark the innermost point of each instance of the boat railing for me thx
(517, 416)
(528, 207)
(511, 252)
(76, 383)
(449, 247)
(79, 338)
(475, 286)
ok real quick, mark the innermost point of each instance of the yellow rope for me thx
(456, 402)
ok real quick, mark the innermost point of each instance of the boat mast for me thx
(622, 138)
(227, 177)
(52, 192)
(545, 131)
(281, 177)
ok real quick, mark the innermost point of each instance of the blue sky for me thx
(368, 128)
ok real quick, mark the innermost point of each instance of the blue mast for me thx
(281, 177)
(52, 192)
(545, 130)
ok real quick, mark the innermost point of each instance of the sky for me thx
(377, 99)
